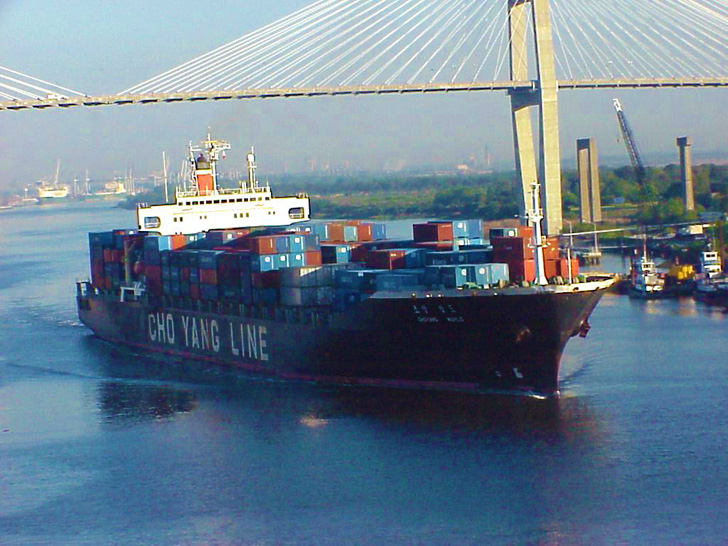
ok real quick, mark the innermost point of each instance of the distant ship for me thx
(114, 188)
(52, 192)
(242, 279)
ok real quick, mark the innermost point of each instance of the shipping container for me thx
(313, 258)
(101, 238)
(345, 299)
(209, 292)
(263, 244)
(364, 232)
(503, 232)
(216, 237)
(522, 270)
(387, 259)
(335, 232)
(507, 249)
(265, 279)
(307, 296)
(351, 233)
(265, 296)
(209, 259)
(401, 280)
(263, 262)
(357, 279)
(335, 253)
(379, 232)
(158, 242)
(208, 276)
(551, 248)
(433, 232)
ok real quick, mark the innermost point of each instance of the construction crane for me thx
(649, 198)
(634, 153)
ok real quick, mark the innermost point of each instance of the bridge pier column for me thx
(545, 96)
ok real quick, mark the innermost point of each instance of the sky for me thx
(103, 47)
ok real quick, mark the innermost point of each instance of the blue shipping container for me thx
(158, 242)
(379, 232)
(101, 238)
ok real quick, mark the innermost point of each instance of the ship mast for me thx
(203, 175)
(535, 215)
(252, 182)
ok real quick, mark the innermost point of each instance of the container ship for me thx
(243, 279)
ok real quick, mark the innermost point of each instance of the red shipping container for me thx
(194, 292)
(352, 223)
(563, 268)
(435, 231)
(434, 245)
(336, 232)
(525, 231)
(208, 276)
(266, 279)
(359, 252)
(265, 244)
(97, 273)
(551, 268)
(522, 270)
(507, 249)
(364, 232)
(551, 249)
(386, 259)
(179, 241)
(153, 271)
(313, 258)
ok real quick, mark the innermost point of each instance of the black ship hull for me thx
(510, 339)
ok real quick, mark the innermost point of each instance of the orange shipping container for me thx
(178, 241)
(263, 245)
(313, 258)
(336, 232)
(364, 232)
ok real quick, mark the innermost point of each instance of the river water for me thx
(100, 446)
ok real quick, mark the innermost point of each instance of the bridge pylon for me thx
(544, 95)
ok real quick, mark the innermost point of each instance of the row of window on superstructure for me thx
(223, 201)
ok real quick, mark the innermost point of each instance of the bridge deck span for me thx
(153, 98)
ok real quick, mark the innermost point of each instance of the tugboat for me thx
(644, 281)
(712, 283)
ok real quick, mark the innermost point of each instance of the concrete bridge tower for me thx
(544, 95)
(686, 171)
(589, 190)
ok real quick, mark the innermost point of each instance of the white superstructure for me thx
(204, 206)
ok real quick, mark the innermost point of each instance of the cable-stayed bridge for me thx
(529, 48)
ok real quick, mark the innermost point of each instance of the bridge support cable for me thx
(17, 86)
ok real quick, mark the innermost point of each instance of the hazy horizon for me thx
(103, 49)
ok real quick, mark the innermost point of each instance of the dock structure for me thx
(589, 190)
(686, 171)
